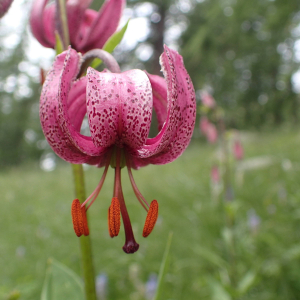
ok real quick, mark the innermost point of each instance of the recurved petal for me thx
(37, 23)
(72, 97)
(119, 108)
(186, 116)
(62, 143)
(59, 142)
(177, 130)
(103, 26)
(159, 91)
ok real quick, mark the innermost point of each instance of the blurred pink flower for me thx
(88, 29)
(203, 125)
(208, 100)
(4, 6)
(211, 133)
(215, 174)
(238, 150)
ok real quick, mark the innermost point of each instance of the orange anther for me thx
(151, 218)
(79, 219)
(84, 222)
(114, 218)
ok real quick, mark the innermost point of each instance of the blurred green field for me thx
(214, 254)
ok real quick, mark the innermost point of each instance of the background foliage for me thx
(244, 53)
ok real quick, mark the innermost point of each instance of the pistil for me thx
(131, 245)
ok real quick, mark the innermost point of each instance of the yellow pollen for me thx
(151, 218)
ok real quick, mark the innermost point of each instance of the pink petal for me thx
(49, 24)
(103, 26)
(83, 31)
(119, 108)
(177, 131)
(76, 10)
(67, 77)
(159, 91)
(4, 6)
(37, 23)
(50, 112)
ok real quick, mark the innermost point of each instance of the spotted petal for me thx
(159, 91)
(177, 130)
(119, 108)
(57, 103)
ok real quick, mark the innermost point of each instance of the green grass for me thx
(212, 248)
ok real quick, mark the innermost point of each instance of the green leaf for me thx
(58, 44)
(246, 282)
(210, 256)
(61, 283)
(163, 267)
(218, 291)
(111, 44)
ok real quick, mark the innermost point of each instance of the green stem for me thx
(62, 24)
(85, 242)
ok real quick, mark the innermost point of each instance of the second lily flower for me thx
(119, 110)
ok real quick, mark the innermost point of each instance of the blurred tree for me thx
(245, 52)
(20, 131)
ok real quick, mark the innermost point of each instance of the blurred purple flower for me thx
(253, 220)
(88, 29)
(101, 286)
(151, 286)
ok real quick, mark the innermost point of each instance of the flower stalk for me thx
(78, 175)
(85, 242)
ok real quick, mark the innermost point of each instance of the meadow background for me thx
(247, 56)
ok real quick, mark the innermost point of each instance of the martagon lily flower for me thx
(88, 29)
(119, 110)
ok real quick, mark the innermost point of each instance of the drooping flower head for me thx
(88, 29)
(119, 110)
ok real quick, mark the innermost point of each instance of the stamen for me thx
(114, 218)
(77, 217)
(151, 218)
(98, 188)
(138, 194)
(85, 228)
